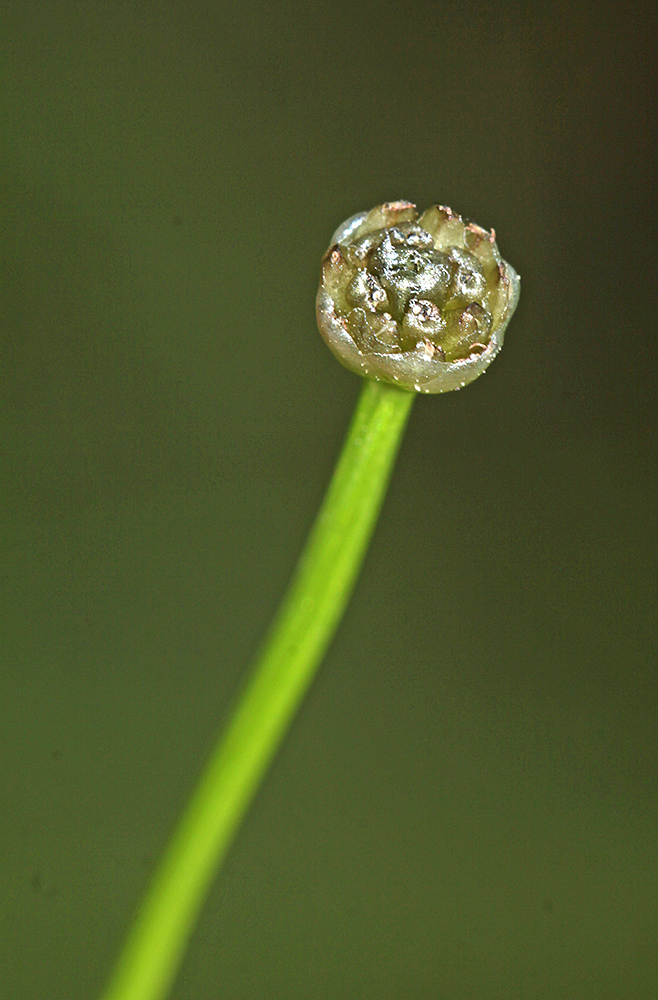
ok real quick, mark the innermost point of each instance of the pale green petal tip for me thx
(422, 303)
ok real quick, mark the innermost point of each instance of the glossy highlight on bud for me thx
(421, 303)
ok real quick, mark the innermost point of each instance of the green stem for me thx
(288, 660)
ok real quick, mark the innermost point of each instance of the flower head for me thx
(422, 303)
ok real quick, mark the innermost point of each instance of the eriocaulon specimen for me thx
(414, 304)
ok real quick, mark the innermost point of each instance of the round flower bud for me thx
(421, 303)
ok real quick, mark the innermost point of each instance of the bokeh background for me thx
(466, 806)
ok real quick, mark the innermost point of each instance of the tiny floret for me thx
(420, 302)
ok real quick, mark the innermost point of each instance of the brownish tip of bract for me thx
(420, 302)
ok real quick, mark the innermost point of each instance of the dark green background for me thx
(466, 806)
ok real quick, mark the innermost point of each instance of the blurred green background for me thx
(466, 806)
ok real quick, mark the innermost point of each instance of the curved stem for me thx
(288, 660)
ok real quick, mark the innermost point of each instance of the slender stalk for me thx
(289, 658)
